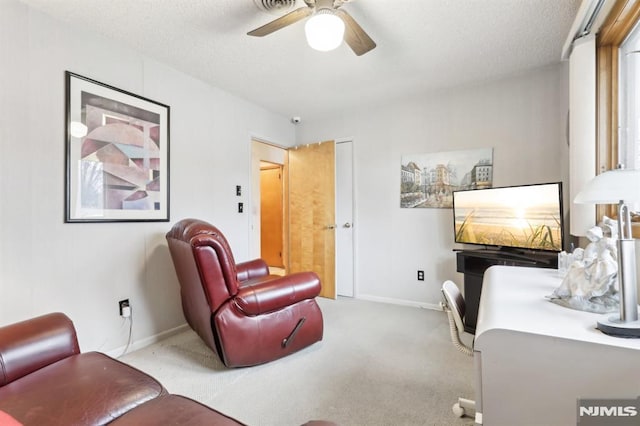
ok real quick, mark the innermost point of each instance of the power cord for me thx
(127, 314)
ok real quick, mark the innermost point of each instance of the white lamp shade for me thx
(324, 31)
(611, 187)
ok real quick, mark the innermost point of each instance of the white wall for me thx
(84, 269)
(523, 118)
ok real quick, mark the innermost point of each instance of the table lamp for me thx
(620, 187)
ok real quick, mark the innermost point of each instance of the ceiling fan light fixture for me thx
(324, 30)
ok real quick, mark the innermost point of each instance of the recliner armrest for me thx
(35, 343)
(271, 293)
(255, 268)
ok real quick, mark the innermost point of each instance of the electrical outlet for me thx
(122, 305)
(420, 275)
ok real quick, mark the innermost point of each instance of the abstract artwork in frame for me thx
(427, 180)
(117, 154)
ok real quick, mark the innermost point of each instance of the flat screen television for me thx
(516, 217)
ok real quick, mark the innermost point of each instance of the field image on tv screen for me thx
(528, 217)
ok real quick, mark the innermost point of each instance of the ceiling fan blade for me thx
(358, 40)
(281, 22)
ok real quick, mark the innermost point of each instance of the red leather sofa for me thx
(45, 380)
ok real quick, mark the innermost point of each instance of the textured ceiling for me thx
(423, 45)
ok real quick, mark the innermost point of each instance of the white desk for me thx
(534, 358)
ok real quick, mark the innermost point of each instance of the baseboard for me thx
(433, 306)
(139, 344)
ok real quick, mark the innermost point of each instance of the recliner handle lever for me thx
(287, 340)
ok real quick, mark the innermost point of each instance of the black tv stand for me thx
(505, 254)
(473, 263)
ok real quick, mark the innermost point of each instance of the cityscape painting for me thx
(428, 180)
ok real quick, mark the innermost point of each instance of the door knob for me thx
(346, 225)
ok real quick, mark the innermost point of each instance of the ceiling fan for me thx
(357, 39)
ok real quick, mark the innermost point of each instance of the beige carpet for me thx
(378, 364)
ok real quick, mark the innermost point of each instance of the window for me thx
(629, 101)
(618, 123)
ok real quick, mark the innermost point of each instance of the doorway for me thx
(263, 153)
(337, 229)
(271, 214)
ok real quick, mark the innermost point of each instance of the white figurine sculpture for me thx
(591, 282)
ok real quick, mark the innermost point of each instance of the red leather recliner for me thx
(241, 312)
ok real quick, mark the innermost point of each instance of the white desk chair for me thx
(454, 306)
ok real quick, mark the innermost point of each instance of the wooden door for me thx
(271, 214)
(311, 192)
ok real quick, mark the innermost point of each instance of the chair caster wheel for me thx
(458, 410)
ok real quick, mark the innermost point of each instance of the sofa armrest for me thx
(255, 268)
(268, 294)
(35, 343)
